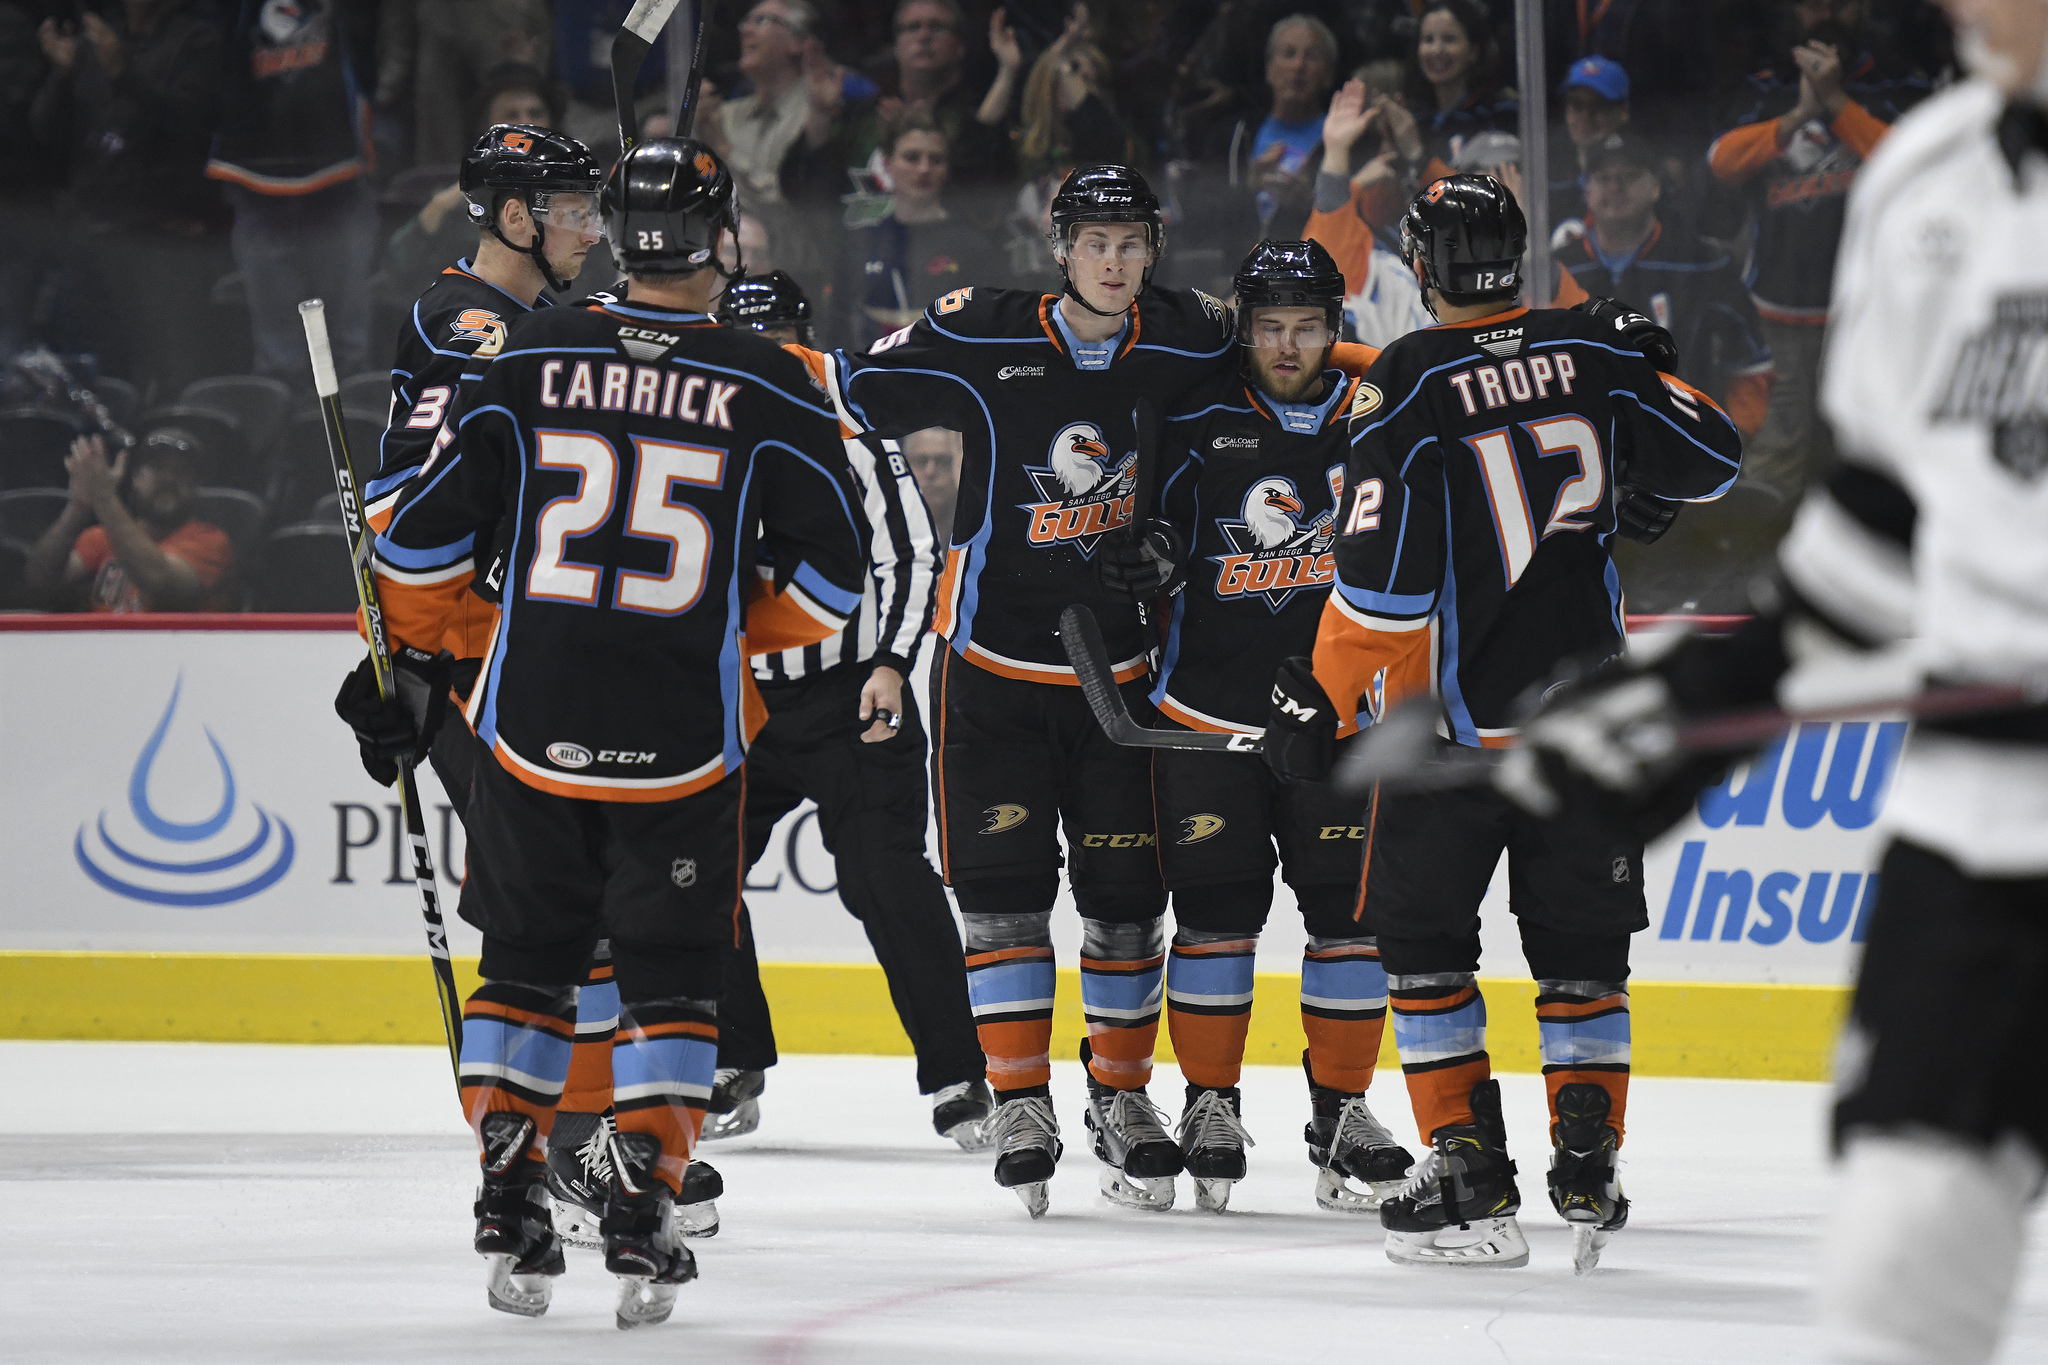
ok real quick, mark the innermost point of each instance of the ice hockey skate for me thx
(580, 1168)
(1358, 1163)
(961, 1112)
(1585, 1179)
(1212, 1142)
(641, 1243)
(1026, 1137)
(1139, 1157)
(734, 1108)
(1458, 1207)
(514, 1233)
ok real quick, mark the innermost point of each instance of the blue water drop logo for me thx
(255, 861)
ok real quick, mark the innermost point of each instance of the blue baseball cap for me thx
(1601, 75)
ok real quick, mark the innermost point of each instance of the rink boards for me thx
(192, 852)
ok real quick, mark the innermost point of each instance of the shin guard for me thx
(1343, 1011)
(1123, 966)
(1010, 982)
(516, 1040)
(1440, 1029)
(1209, 1003)
(589, 1090)
(1584, 1030)
(663, 1058)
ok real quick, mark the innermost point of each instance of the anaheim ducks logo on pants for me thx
(1001, 818)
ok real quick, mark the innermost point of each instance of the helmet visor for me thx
(576, 213)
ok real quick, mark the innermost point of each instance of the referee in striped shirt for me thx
(843, 730)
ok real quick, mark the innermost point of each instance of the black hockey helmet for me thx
(1288, 275)
(760, 302)
(532, 164)
(666, 205)
(1468, 234)
(1105, 194)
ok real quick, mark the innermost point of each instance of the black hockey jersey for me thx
(1484, 462)
(1256, 490)
(1050, 453)
(447, 341)
(627, 459)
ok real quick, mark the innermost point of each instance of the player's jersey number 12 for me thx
(1509, 495)
(651, 514)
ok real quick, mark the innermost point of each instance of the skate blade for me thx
(1489, 1243)
(577, 1226)
(644, 1303)
(523, 1295)
(744, 1118)
(1212, 1196)
(1035, 1196)
(1341, 1194)
(969, 1135)
(1587, 1243)
(695, 1220)
(1134, 1192)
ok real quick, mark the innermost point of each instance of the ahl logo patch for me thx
(1277, 547)
(1087, 490)
(1001, 818)
(566, 755)
(1200, 827)
(683, 872)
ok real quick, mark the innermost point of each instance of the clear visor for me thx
(1098, 247)
(577, 213)
(1275, 334)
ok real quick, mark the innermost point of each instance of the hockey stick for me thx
(1082, 638)
(1146, 419)
(644, 23)
(313, 313)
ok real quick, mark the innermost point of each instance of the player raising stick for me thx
(1493, 458)
(629, 459)
(1042, 388)
(1257, 482)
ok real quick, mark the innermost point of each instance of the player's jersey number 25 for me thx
(661, 473)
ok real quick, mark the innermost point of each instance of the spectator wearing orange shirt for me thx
(147, 552)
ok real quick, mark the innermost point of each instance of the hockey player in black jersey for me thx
(1043, 389)
(1493, 458)
(843, 730)
(641, 467)
(1255, 478)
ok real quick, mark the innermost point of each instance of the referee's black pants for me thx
(871, 813)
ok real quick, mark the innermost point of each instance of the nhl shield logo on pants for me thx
(683, 872)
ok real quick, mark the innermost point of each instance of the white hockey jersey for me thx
(1936, 376)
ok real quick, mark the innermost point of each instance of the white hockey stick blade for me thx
(648, 18)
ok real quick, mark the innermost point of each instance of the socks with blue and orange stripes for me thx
(1343, 1011)
(1010, 980)
(1440, 1029)
(516, 1040)
(589, 1088)
(1584, 1035)
(1209, 1003)
(663, 1059)
(1123, 966)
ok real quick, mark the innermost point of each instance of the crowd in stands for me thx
(178, 174)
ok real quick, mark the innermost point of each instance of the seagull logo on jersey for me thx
(2000, 380)
(1277, 548)
(1200, 827)
(1001, 818)
(480, 325)
(1087, 490)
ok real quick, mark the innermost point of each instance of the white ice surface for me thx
(199, 1203)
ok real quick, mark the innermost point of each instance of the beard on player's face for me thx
(1287, 375)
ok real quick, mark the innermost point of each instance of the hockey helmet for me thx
(1288, 275)
(666, 205)
(1105, 194)
(533, 164)
(761, 302)
(1468, 235)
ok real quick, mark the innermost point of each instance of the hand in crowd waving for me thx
(1002, 41)
(1350, 116)
(1399, 123)
(59, 47)
(93, 481)
(1820, 80)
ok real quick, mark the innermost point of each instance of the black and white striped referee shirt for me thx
(905, 558)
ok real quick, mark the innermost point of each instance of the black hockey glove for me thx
(1635, 330)
(1144, 565)
(399, 729)
(1643, 517)
(1301, 725)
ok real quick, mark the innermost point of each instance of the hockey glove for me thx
(1635, 330)
(1144, 565)
(1301, 726)
(400, 729)
(1643, 517)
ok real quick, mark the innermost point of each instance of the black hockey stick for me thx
(313, 313)
(1082, 638)
(644, 23)
(1145, 418)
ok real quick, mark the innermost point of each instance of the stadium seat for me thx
(304, 471)
(33, 444)
(369, 394)
(256, 401)
(306, 568)
(120, 397)
(25, 513)
(239, 513)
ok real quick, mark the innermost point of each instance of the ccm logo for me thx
(623, 756)
(1290, 707)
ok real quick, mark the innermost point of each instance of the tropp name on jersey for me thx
(1276, 547)
(1087, 490)
(2000, 379)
